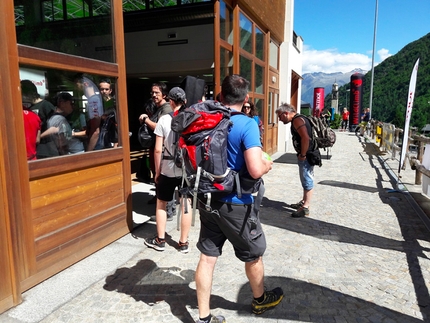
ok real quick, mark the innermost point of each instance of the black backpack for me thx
(146, 137)
(108, 131)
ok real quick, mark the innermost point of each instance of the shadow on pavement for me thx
(148, 283)
(302, 301)
(307, 302)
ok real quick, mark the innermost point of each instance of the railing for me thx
(390, 140)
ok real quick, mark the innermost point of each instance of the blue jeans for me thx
(306, 173)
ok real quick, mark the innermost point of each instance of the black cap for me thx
(177, 94)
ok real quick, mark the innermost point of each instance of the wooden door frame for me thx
(16, 171)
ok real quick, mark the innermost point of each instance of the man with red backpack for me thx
(229, 217)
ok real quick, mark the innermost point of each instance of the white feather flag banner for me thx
(411, 95)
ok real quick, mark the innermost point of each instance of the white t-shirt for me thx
(163, 129)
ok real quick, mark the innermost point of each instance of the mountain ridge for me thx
(325, 80)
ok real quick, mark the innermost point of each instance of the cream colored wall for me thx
(290, 60)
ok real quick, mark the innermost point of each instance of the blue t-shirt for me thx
(243, 135)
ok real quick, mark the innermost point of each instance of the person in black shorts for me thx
(231, 217)
(168, 176)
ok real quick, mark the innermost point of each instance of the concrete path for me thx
(361, 256)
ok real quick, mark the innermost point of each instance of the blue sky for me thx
(338, 34)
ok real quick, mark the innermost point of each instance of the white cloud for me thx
(332, 61)
(383, 54)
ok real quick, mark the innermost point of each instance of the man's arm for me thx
(300, 125)
(255, 163)
(158, 149)
(144, 118)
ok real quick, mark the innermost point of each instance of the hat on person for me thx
(177, 94)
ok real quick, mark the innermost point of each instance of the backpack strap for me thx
(176, 138)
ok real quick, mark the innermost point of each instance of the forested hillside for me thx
(391, 84)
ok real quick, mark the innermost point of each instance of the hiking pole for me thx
(196, 186)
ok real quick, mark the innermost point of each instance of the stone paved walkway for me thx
(362, 256)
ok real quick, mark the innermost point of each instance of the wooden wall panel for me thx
(66, 255)
(6, 291)
(73, 213)
(268, 13)
(44, 225)
(57, 239)
(53, 184)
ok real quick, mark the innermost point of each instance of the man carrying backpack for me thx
(168, 176)
(230, 218)
(301, 132)
(159, 95)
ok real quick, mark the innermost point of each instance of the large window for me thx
(226, 23)
(77, 112)
(252, 60)
(273, 55)
(226, 63)
(246, 42)
(76, 27)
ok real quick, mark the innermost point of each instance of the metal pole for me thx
(373, 60)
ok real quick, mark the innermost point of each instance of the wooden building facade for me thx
(56, 211)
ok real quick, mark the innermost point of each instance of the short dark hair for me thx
(63, 97)
(162, 86)
(234, 89)
(29, 90)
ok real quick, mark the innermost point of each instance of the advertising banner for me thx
(411, 95)
(355, 100)
(318, 101)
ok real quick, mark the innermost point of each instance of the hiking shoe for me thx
(155, 243)
(183, 247)
(300, 213)
(214, 319)
(297, 205)
(271, 299)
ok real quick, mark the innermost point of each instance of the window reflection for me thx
(226, 23)
(259, 77)
(259, 44)
(76, 27)
(245, 33)
(259, 106)
(273, 55)
(246, 69)
(76, 112)
(226, 63)
(270, 106)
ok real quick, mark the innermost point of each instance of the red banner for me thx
(318, 101)
(356, 99)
